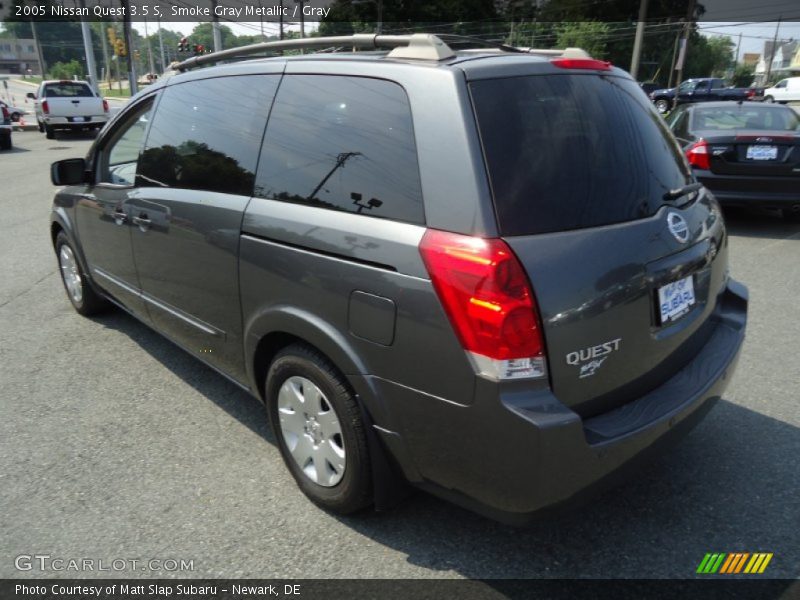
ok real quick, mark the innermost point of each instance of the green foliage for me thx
(743, 75)
(67, 70)
(589, 35)
(708, 57)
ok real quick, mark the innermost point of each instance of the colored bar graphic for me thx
(734, 562)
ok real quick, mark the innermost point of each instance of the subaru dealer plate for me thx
(762, 152)
(675, 299)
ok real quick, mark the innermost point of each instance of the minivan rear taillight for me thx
(45, 108)
(698, 155)
(487, 297)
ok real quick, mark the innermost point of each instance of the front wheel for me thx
(662, 105)
(83, 298)
(769, 99)
(320, 433)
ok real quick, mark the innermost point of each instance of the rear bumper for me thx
(765, 192)
(64, 122)
(511, 454)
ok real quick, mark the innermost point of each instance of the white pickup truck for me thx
(68, 105)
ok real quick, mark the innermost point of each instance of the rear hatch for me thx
(72, 99)
(625, 277)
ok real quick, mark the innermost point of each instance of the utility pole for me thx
(161, 47)
(772, 54)
(42, 66)
(215, 27)
(674, 58)
(341, 158)
(105, 55)
(149, 48)
(280, 20)
(380, 16)
(302, 4)
(126, 33)
(637, 42)
(91, 68)
(738, 46)
(684, 46)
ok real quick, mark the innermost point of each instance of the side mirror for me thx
(71, 171)
(31, 95)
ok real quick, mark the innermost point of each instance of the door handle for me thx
(120, 217)
(142, 221)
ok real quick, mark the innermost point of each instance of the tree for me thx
(69, 70)
(743, 75)
(588, 35)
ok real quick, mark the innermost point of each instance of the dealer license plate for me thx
(762, 152)
(675, 299)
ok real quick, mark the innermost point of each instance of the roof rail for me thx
(423, 46)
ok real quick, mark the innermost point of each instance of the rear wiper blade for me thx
(682, 191)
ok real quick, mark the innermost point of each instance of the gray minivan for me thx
(485, 272)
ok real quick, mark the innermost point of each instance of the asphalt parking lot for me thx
(116, 444)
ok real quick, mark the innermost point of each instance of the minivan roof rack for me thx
(419, 46)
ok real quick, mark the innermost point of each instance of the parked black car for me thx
(495, 279)
(704, 89)
(747, 154)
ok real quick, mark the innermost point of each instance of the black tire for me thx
(5, 142)
(90, 303)
(41, 126)
(354, 491)
(15, 117)
(49, 133)
(769, 99)
(662, 105)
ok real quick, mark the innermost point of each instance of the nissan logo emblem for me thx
(678, 227)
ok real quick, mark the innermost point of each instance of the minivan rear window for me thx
(573, 151)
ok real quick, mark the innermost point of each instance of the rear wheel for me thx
(317, 422)
(5, 142)
(662, 105)
(15, 117)
(83, 298)
(49, 133)
(41, 126)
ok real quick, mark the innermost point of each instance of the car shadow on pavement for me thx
(225, 394)
(759, 223)
(729, 486)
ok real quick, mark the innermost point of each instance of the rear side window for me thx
(206, 134)
(572, 151)
(67, 90)
(343, 143)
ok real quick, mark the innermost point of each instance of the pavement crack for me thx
(28, 289)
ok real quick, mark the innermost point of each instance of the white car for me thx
(69, 105)
(786, 90)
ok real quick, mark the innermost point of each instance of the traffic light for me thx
(183, 45)
(199, 49)
(119, 47)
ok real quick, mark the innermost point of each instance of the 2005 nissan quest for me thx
(484, 271)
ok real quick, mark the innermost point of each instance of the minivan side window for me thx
(206, 134)
(342, 143)
(119, 158)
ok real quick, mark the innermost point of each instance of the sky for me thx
(753, 34)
